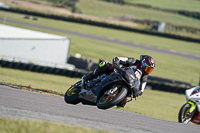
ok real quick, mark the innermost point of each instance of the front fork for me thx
(191, 110)
(192, 107)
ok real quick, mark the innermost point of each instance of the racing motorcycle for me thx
(190, 111)
(106, 91)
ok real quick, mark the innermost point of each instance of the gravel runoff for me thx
(7, 112)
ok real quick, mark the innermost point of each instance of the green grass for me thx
(26, 126)
(192, 5)
(105, 9)
(25, 78)
(157, 104)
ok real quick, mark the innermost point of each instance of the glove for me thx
(116, 63)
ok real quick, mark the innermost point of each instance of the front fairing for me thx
(193, 95)
(129, 74)
(188, 93)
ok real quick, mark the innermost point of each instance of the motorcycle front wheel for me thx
(111, 97)
(184, 115)
(71, 95)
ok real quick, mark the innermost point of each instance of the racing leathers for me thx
(135, 64)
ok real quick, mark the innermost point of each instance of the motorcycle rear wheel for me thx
(105, 101)
(183, 116)
(71, 95)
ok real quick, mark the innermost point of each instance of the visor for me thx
(147, 68)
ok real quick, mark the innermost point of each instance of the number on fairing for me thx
(138, 75)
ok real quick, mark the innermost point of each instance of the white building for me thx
(28, 46)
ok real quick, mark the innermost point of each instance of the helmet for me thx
(147, 63)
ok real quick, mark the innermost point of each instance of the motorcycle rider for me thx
(144, 67)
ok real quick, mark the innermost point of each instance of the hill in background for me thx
(179, 19)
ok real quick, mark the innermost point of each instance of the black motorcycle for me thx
(105, 91)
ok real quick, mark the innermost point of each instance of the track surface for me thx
(165, 51)
(26, 104)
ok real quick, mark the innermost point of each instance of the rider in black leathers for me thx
(144, 67)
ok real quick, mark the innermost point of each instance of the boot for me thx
(83, 84)
(83, 88)
(122, 103)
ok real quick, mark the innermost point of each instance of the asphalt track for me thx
(141, 46)
(25, 104)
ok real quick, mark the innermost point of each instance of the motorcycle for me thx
(105, 91)
(190, 111)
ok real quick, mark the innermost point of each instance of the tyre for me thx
(111, 96)
(71, 96)
(184, 116)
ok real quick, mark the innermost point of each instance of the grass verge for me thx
(170, 4)
(157, 104)
(33, 80)
(105, 9)
(27, 126)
